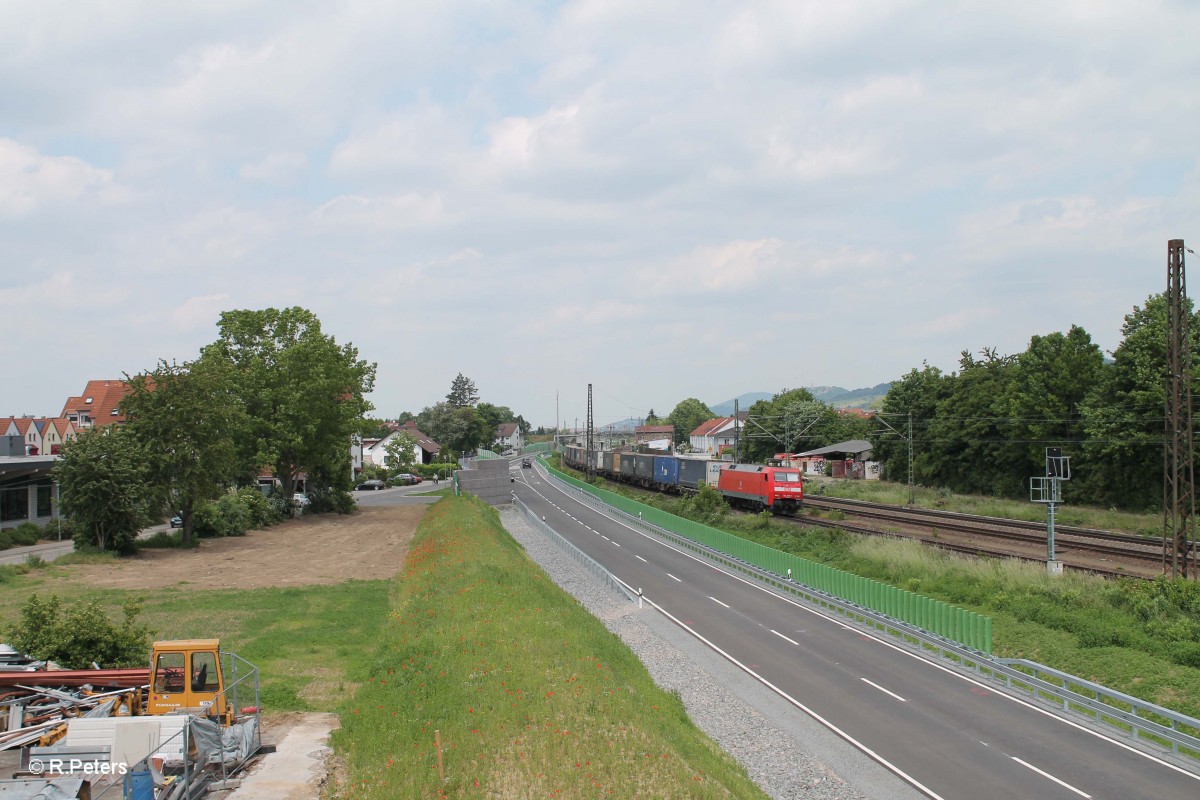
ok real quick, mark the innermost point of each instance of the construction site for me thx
(191, 721)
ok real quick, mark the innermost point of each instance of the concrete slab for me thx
(296, 768)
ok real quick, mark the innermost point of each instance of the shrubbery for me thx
(322, 501)
(25, 534)
(75, 636)
(235, 513)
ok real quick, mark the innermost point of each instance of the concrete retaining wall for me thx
(488, 480)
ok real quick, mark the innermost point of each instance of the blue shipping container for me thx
(666, 470)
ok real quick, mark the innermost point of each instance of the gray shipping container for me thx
(693, 472)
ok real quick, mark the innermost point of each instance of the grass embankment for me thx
(532, 696)
(1138, 637)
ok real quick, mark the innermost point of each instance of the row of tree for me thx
(272, 392)
(986, 427)
(461, 423)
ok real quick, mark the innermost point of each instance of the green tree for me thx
(456, 429)
(400, 452)
(103, 488)
(76, 636)
(687, 415)
(1054, 377)
(302, 392)
(781, 424)
(1121, 463)
(917, 394)
(185, 420)
(462, 392)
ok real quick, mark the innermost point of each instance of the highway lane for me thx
(948, 736)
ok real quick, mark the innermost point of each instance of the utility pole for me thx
(557, 432)
(591, 470)
(737, 442)
(1179, 495)
(912, 492)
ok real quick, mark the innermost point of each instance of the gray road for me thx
(944, 734)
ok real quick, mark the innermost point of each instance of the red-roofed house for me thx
(97, 406)
(714, 434)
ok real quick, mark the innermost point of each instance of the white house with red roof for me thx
(714, 434)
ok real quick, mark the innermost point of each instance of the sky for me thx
(665, 200)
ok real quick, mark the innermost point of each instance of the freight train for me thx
(779, 490)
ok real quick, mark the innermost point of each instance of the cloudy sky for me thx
(664, 199)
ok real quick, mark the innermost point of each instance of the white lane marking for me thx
(1063, 784)
(639, 558)
(786, 639)
(993, 688)
(715, 600)
(672, 577)
(618, 544)
(885, 691)
(871, 753)
(605, 538)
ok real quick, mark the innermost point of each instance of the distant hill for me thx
(836, 396)
(744, 401)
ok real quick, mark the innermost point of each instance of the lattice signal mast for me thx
(1179, 493)
(591, 443)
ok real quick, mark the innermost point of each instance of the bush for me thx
(25, 534)
(262, 512)
(78, 635)
(323, 501)
(5, 540)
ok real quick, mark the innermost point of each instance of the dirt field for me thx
(330, 548)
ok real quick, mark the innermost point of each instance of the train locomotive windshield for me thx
(787, 477)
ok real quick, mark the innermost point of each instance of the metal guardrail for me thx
(1152, 728)
(588, 563)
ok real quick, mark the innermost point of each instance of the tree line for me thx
(985, 428)
(273, 392)
(461, 423)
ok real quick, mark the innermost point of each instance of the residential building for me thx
(97, 406)
(655, 437)
(374, 451)
(508, 437)
(714, 434)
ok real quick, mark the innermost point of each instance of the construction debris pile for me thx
(175, 726)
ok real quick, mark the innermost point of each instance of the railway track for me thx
(1078, 548)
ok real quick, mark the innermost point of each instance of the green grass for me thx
(530, 694)
(1108, 519)
(305, 640)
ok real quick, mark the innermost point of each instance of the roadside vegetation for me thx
(1139, 637)
(530, 695)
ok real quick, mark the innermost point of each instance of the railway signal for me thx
(1048, 489)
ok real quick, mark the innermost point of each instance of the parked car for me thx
(177, 521)
(405, 479)
(300, 500)
(370, 485)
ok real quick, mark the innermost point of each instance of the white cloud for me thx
(200, 311)
(350, 213)
(31, 181)
(276, 168)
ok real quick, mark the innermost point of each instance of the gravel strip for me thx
(777, 745)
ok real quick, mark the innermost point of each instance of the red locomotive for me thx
(776, 489)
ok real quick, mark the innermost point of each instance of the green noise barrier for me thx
(942, 619)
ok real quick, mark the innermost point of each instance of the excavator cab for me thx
(185, 677)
